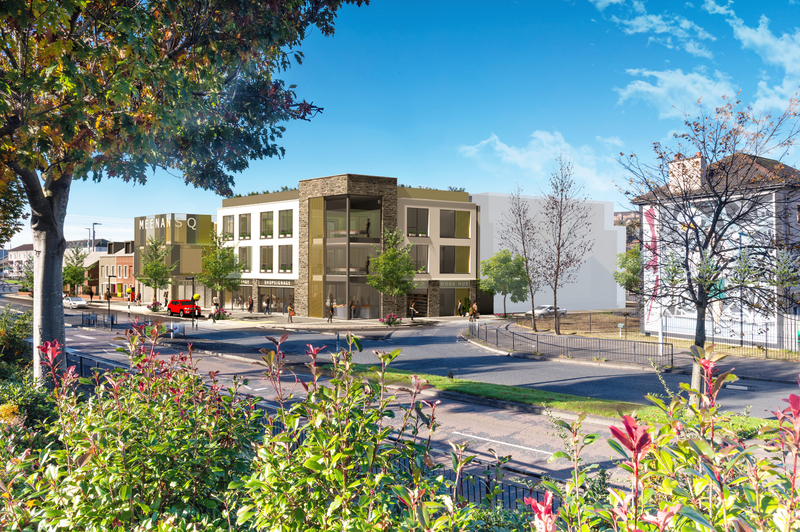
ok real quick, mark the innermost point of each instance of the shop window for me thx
(285, 223)
(266, 259)
(244, 227)
(417, 222)
(419, 254)
(285, 258)
(227, 227)
(244, 257)
(454, 259)
(453, 224)
(266, 224)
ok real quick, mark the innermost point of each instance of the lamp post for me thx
(193, 302)
(89, 242)
(93, 224)
(741, 297)
(109, 294)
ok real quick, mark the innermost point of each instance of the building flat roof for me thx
(261, 198)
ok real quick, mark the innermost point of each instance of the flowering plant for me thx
(155, 306)
(391, 319)
(221, 314)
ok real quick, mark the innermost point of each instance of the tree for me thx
(97, 89)
(74, 274)
(505, 274)
(12, 210)
(220, 267)
(629, 275)
(27, 275)
(716, 225)
(155, 271)
(518, 233)
(565, 230)
(392, 271)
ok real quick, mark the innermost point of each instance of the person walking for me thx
(138, 299)
(459, 308)
(166, 299)
(269, 305)
(366, 230)
(291, 312)
(250, 304)
(331, 310)
(475, 313)
(216, 304)
(471, 314)
(266, 306)
(413, 310)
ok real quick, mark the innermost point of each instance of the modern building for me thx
(185, 235)
(312, 247)
(594, 287)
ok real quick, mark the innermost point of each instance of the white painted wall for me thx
(595, 287)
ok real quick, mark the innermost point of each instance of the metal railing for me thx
(551, 345)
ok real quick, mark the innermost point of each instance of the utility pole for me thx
(93, 224)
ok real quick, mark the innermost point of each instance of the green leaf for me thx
(695, 516)
(316, 463)
(614, 444)
(558, 454)
(125, 492)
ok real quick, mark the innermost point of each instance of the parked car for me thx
(546, 311)
(74, 302)
(184, 307)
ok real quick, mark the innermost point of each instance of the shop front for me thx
(278, 294)
(450, 293)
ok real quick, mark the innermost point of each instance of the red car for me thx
(184, 307)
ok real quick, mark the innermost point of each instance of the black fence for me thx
(551, 345)
(471, 486)
(109, 321)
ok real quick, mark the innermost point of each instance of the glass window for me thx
(285, 223)
(454, 259)
(119, 271)
(126, 271)
(227, 227)
(285, 258)
(266, 224)
(244, 257)
(365, 218)
(266, 259)
(417, 222)
(244, 226)
(454, 224)
(419, 254)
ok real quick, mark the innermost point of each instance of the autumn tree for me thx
(505, 274)
(12, 210)
(519, 234)
(718, 213)
(97, 89)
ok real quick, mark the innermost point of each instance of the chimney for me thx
(688, 174)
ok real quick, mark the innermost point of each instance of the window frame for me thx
(413, 213)
(288, 219)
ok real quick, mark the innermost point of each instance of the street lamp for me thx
(193, 302)
(108, 298)
(741, 296)
(89, 242)
(93, 224)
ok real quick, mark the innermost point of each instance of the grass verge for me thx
(742, 426)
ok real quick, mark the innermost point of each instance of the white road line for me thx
(86, 337)
(502, 443)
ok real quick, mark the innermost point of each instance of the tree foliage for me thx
(12, 210)
(392, 271)
(629, 275)
(505, 274)
(74, 272)
(156, 272)
(220, 268)
(565, 229)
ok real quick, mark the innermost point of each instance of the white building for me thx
(595, 287)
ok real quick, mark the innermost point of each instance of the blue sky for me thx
(486, 95)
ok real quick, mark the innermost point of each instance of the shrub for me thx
(155, 306)
(391, 319)
(221, 314)
(15, 329)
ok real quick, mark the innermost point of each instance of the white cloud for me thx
(611, 141)
(537, 159)
(781, 51)
(602, 4)
(672, 31)
(674, 91)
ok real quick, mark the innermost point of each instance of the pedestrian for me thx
(331, 310)
(459, 309)
(471, 313)
(91, 295)
(216, 304)
(108, 294)
(352, 309)
(166, 299)
(291, 312)
(269, 305)
(250, 304)
(266, 305)
(366, 231)
(138, 299)
(412, 309)
(475, 312)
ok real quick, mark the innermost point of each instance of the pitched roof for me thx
(23, 247)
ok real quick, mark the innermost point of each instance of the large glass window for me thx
(454, 259)
(266, 259)
(454, 224)
(245, 257)
(244, 226)
(285, 259)
(227, 227)
(266, 224)
(365, 218)
(419, 254)
(285, 223)
(417, 222)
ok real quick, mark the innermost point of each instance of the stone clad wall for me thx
(385, 187)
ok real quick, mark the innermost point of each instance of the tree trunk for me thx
(504, 305)
(699, 341)
(48, 204)
(556, 318)
(533, 308)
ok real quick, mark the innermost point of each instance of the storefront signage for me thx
(421, 284)
(162, 221)
(275, 282)
(453, 284)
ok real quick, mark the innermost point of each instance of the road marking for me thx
(86, 337)
(736, 387)
(502, 443)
